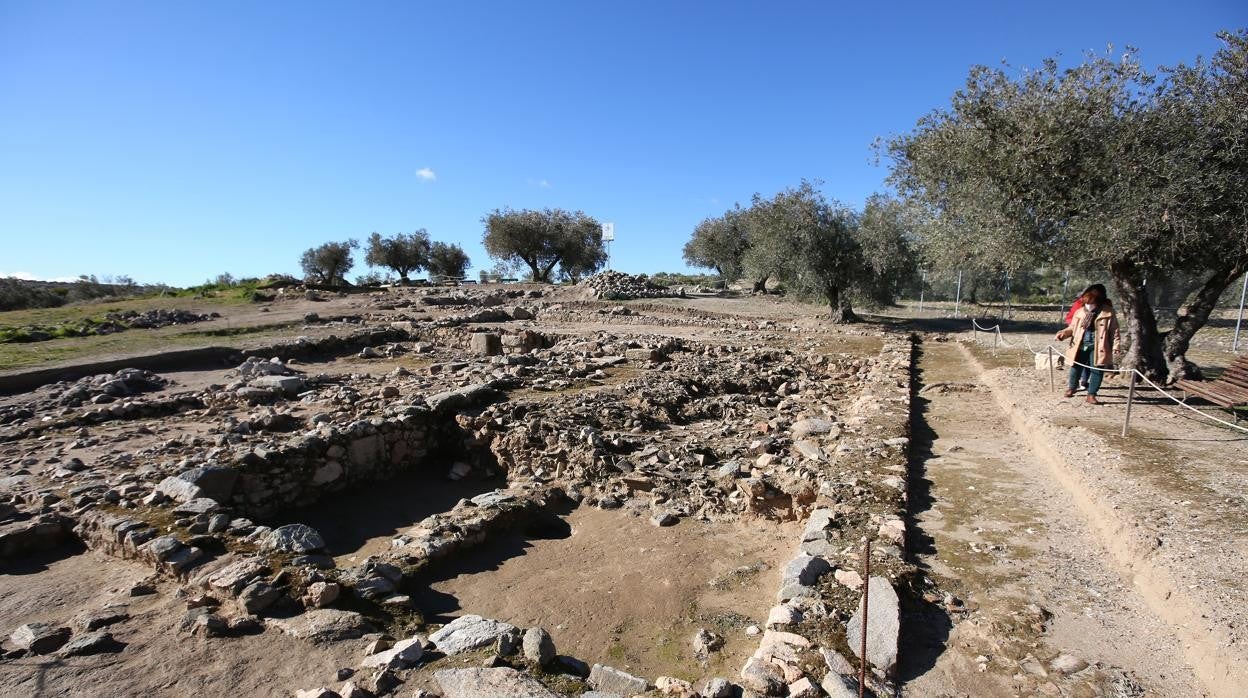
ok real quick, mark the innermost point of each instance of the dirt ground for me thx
(1000, 534)
(621, 591)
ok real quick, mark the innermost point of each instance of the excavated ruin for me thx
(420, 440)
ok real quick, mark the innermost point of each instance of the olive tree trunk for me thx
(760, 285)
(1141, 341)
(842, 308)
(1194, 315)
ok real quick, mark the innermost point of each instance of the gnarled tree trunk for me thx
(1194, 315)
(842, 308)
(1140, 338)
(760, 285)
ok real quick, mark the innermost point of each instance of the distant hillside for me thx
(21, 294)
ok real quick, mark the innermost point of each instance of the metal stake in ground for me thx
(866, 591)
(1052, 387)
(1130, 399)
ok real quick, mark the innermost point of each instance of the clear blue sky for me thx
(171, 141)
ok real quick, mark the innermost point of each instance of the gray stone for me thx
(883, 625)
(1068, 664)
(288, 385)
(807, 427)
(611, 680)
(332, 470)
(837, 686)
(214, 482)
(325, 625)
(468, 633)
(717, 688)
(293, 538)
(179, 490)
(39, 638)
(94, 620)
(257, 596)
(762, 677)
(197, 506)
(806, 570)
(403, 655)
(539, 647)
(98, 642)
(489, 683)
(486, 344)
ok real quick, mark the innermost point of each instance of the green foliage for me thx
(329, 263)
(1103, 166)
(546, 239)
(403, 253)
(720, 244)
(448, 260)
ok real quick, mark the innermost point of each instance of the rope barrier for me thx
(1001, 339)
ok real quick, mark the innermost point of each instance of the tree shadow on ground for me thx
(38, 561)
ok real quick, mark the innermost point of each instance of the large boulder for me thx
(293, 538)
(468, 633)
(489, 683)
(883, 625)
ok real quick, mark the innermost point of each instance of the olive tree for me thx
(329, 263)
(1102, 165)
(719, 243)
(403, 253)
(448, 260)
(546, 239)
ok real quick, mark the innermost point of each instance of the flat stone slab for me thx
(325, 625)
(468, 633)
(489, 683)
(883, 625)
(611, 680)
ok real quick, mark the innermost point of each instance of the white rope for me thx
(1142, 377)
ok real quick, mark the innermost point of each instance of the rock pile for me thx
(151, 319)
(616, 285)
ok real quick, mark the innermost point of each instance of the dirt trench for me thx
(1039, 607)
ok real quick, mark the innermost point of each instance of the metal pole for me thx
(922, 288)
(1130, 400)
(866, 603)
(1052, 385)
(995, 336)
(1009, 308)
(1240, 320)
(1061, 307)
(957, 303)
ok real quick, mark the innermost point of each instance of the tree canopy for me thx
(329, 263)
(719, 243)
(448, 260)
(1102, 165)
(546, 239)
(403, 253)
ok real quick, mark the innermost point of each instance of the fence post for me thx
(1130, 399)
(957, 302)
(866, 603)
(922, 289)
(995, 337)
(1240, 320)
(1052, 385)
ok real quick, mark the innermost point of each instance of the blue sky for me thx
(171, 141)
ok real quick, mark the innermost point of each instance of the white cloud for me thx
(426, 174)
(27, 276)
(540, 183)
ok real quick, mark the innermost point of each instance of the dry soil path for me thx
(995, 528)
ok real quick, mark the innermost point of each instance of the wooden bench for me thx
(1230, 390)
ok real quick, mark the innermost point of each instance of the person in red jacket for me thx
(1074, 308)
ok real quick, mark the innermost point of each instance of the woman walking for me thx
(1093, 332)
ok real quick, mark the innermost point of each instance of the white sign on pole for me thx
(608, 232)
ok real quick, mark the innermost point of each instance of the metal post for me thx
(1061, 307)
(1240, 320)
(866, 603)
(995, 336)
(1052, 384)
(1009, 308)
(922, 288)
(1130, 399)
(957, 303)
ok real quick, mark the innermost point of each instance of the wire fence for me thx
(1049, 350)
